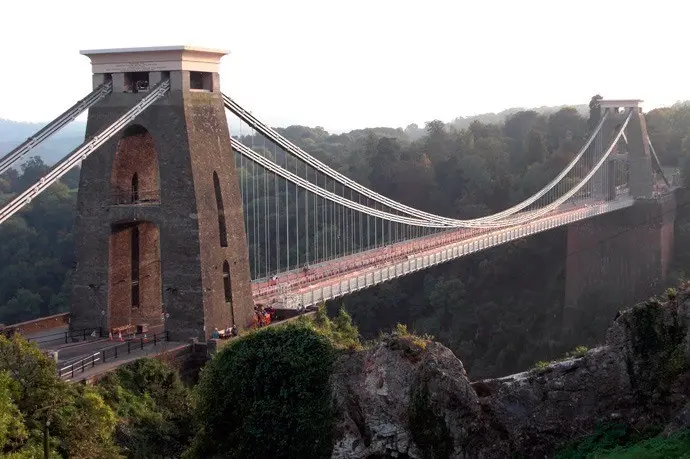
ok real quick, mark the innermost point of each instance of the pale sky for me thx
(352, 64)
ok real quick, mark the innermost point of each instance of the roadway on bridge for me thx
(53, 340)
(320, 276)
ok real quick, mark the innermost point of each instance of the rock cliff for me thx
(407, 397)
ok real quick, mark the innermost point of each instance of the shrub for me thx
(671, 293)
(541, 365)
(579, 351)
(153, 407)
(267, 395)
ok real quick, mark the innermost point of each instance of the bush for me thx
(340, 331)
(153, 407)
(579, 351)
(671, 293)
(401, 330)
(541, 365)
(267, 395)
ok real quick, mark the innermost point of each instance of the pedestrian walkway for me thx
(89, 371)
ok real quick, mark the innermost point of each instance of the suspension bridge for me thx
(183, 226)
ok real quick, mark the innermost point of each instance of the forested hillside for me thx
(13, 133)
(499, 310)
(36, 248)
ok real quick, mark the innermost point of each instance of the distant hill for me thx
(12, 133)
(463, 122)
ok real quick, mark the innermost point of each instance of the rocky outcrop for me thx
(411, 398)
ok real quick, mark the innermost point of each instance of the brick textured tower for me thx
(159, 231)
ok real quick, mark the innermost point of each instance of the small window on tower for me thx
(227, 288)
(135, 267)
(136, 81)
(135, 188)
(201, 81)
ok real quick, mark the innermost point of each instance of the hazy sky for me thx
(351, 64)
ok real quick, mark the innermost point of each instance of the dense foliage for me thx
(267, 395)
(142, 410)
(37, 250)
(81, 425)
(153, 408)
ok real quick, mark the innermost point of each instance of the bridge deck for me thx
(353, 273)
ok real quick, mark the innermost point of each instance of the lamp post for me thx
(45, 439)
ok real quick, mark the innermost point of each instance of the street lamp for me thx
(45, 439)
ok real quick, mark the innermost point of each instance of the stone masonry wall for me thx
(626, 253)
(191, 140)
(136, 154)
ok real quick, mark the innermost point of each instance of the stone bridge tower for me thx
(159, 231)
(633, 147)
(624, 256)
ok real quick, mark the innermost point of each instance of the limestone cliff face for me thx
(411, 398)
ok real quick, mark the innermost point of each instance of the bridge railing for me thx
(36, 325)
(69, 335)
(79, 366)
(382, 255)
(67, 371)
(364, 259)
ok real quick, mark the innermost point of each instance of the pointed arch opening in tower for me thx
(134, 271)
(134, 177)
(227, 289)
(222, 228)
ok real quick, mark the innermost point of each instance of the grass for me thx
(619, 441)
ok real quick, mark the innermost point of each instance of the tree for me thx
(566, 130)
(153, 407)
(517, 128)
(386, 155)
(272, 384)
(536, 148)
(71, 178)
(25, 305)
(85, 425)
(594, 112)
(437, 141)
(13, 433)
(446, 299)
(32, 171)
(414, 132)
(476, 176)
(81, 424)
(11, 178)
